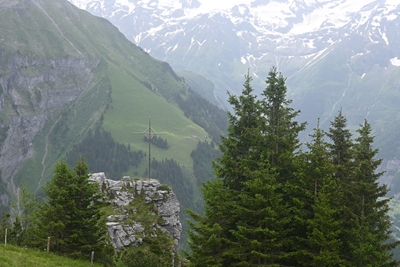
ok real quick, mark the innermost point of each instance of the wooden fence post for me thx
(48, 245)
(91, 260)
(5, 238)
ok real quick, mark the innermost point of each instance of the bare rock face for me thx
(141, 207)
(32, 89)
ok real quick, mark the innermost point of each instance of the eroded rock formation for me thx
(141, 206)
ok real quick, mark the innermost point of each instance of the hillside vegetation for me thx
(11, 256)
(74, 86)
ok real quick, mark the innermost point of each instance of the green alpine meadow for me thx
(108, 155)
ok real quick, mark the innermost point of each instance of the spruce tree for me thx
(370, 243)
(256, 162)
(341, 150)
(240, 149)
(282, 147)
(207, 239)
(322, 242)
(71, 212)
(324, 228)
(261, 228)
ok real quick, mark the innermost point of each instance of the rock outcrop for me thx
(131, 199)
(32, 90)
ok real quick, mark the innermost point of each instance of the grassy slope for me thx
(133, 105)
(11, 256)
(124, 69)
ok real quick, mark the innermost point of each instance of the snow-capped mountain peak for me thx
(222, 39)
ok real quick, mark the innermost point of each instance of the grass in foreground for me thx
(11, 256)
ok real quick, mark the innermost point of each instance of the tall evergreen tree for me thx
(261, 233)
(281, 146)
(321, 195)
(280, 129)
(257, 160)
(240, 149)
(324, 228)
(341, 149)
(24, 209)
(370, 243)
(207, 239)
(71, 213)
(273, 205)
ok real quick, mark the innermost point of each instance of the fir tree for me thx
(324, 228)
(262, 222)
(256, 162)
(25, 210)
(207, 239)
(71, 213)
(240, 149)
(370, 242)
(281, 147)
(342, 157)
(316, 199)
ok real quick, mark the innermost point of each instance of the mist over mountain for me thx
(335, 54)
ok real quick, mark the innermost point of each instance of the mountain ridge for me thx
(335, 54)
(65, 73)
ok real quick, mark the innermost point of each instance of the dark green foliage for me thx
(372, 232)
(324, 228)
(4, 194)
(157, 141)
(104, 154)
(71, 213)
(25, 210)
(208, 116)
(280, 144)
(202, 156)
(169, 172)
(207, 236)
(154, 252)
(272, 204)
(245, 210)
(4, 224)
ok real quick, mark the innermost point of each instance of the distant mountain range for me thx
(335, 54)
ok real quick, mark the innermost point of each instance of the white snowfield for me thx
(310, 15)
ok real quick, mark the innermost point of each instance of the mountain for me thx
(335, 54)
(72, 85)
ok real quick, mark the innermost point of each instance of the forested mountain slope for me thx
(335, 54)
(72, 85)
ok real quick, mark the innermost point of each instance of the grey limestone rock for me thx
(121, 195)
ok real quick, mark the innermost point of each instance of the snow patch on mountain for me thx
(395, 61)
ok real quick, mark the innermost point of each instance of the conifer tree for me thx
(370, 243)
(240, 151)
(257, 160)
(207, 238)
(341, 149)
(24, 215)
(280, 129)
(320, 193)
(261, 233)
(281, 147)
(324, 228)
(71, 213)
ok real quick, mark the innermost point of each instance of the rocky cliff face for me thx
(32, 89)
(140, 207)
